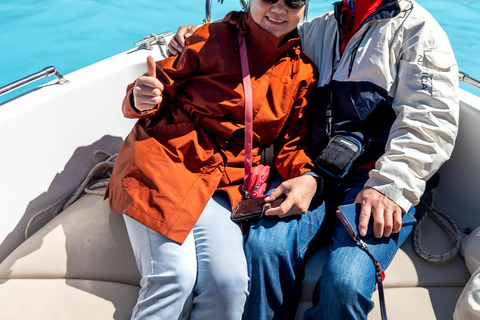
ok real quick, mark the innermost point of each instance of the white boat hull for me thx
(48, 137)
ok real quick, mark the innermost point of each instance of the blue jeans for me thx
(206, 275)
(276, 251)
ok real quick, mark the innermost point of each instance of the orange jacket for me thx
(191, 145)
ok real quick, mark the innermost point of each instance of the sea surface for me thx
(72, 34)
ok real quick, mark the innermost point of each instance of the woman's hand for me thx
(299, 192)
(177, 43)
(147, 92)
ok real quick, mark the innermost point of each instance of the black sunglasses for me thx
(294, 4)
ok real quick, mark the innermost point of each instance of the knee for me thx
(232, 280)
(262, 245)
(342, 286)
(228, 288)
(185, 277)
(178, 282)
(341, 296)
(349, 285)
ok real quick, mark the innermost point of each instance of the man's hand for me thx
(299, 192)
(177, 43)
(147, 92)
(387, 215)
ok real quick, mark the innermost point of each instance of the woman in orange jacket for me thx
(181, 169)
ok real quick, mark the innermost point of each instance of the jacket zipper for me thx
(354, 53)
(352, 20)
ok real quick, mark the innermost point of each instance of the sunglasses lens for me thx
(295, 4)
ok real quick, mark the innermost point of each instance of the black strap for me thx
(379, 276)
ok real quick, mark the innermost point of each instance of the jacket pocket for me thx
(439, 59)
(439, 75)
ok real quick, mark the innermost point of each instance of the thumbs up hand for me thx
(147, 92)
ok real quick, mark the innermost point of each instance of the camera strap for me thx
(343, 215)
(247, 87)
(379, 277)
(329, 117)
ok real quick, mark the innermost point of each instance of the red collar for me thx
(362, 9)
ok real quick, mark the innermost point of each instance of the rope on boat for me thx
(443, 220)
(96, 178)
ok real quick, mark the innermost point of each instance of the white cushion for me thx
(468, 305)
(78, 266)
(86, 241)
(81, 265)
(472, 250)
(60, 299)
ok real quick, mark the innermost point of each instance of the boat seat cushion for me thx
(78, 266)
(60, 299)
(86, 241)
(84, 256)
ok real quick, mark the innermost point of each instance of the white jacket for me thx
(401, 52)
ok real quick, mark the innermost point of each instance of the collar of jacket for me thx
(353, 16)
(387, 9)
(261, 40)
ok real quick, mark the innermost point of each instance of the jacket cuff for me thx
(391, 191)
(132, 104)
(319, 181)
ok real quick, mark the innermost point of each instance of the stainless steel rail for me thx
(208, 11)
(33, 77)
(244, 4)
(305, 13)
(153, 39)
(462, 76)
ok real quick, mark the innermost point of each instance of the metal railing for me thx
(147, 43)
(243, 4)
(208, 11)
(305, 13)
(465, 78)
(153, 39)
(33, 77)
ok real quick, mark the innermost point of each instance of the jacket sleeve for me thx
(172, 72)
(425, 102)
(291, 149)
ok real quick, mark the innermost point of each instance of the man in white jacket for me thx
(389, 80)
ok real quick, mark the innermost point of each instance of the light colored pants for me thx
(207, 273)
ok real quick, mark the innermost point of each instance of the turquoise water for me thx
(71, 34)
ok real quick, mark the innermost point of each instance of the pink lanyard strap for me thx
(247, 87)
